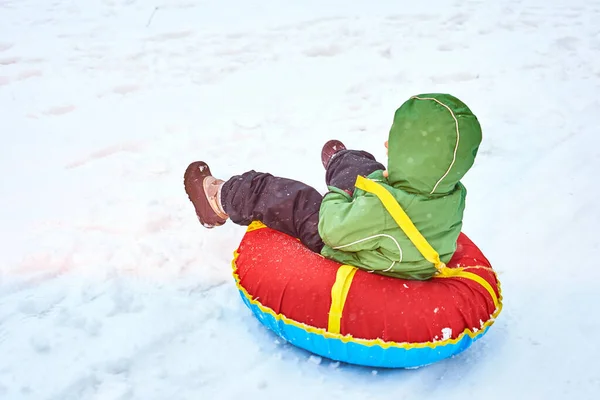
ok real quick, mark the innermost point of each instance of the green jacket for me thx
(432, 144)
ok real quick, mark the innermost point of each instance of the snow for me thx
(110, 288)
(446, 333)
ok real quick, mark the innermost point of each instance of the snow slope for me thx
(111, 289)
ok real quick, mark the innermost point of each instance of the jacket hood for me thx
(432, 143)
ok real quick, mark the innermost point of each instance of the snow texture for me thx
(110, 288)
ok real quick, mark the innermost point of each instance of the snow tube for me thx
(346, 314)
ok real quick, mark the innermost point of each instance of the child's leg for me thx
(283, 204)
(346, 165)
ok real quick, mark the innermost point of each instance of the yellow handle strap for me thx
(339, 293)
(402, 219)
(411, 231)
(461, 273)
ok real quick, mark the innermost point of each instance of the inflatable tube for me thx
(349, 315)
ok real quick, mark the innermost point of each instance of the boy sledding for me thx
(432, 143)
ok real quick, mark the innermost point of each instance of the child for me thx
(432, 143)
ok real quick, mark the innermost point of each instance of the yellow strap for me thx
(411, 231)
(403, 221)
(339, 293)
(461, 273)
(254, 225)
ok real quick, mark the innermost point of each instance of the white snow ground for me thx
(111, 289)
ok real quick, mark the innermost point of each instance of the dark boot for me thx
(329, 150)
(203, 191)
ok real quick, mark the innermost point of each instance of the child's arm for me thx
(351, 224)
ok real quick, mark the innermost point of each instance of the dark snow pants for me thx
(290, 206)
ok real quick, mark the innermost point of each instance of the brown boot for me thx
(329, 150)
(203, 191)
